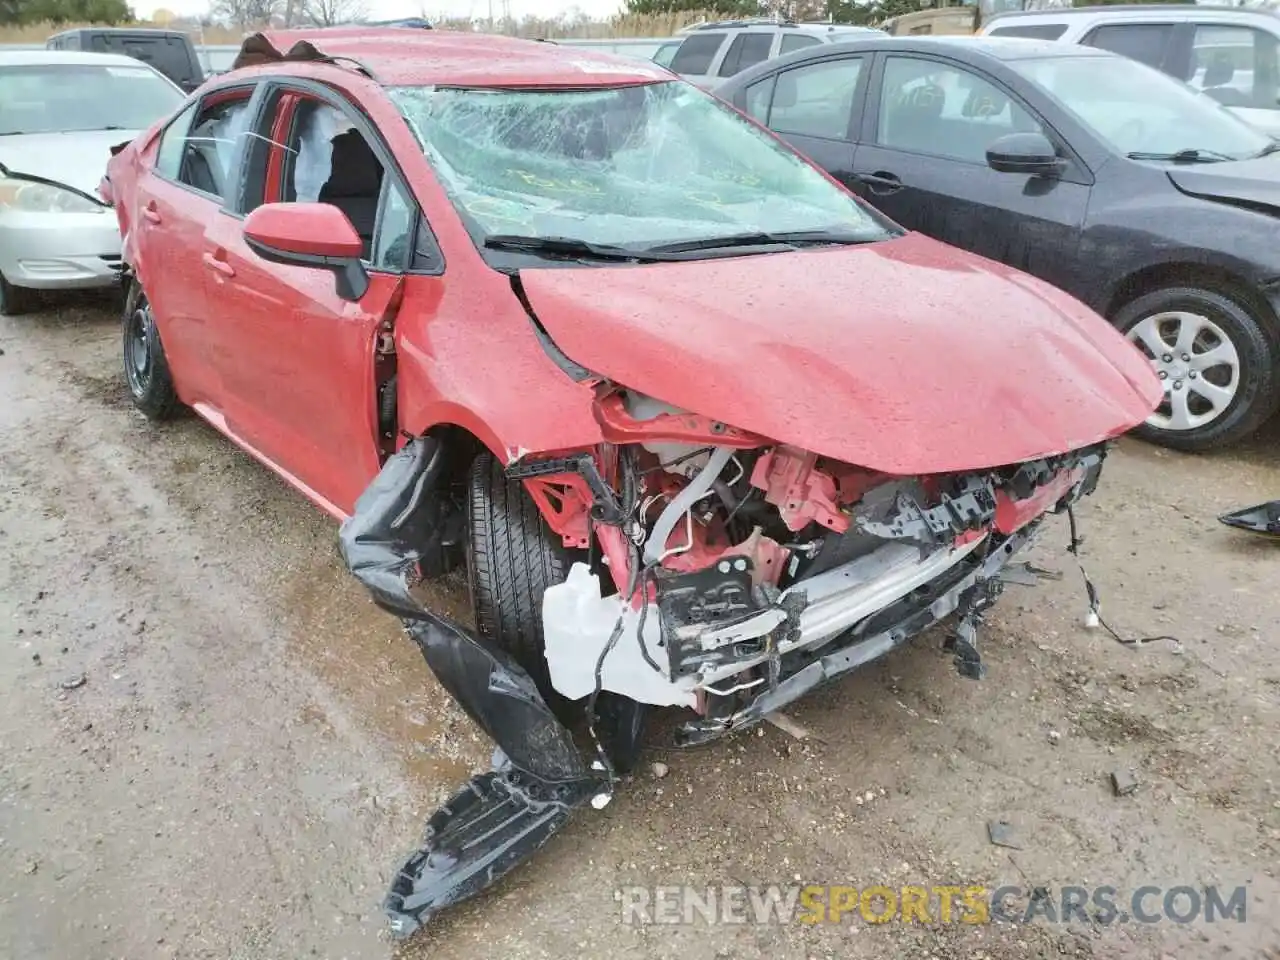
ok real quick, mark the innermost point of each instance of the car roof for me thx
(769, 23)
(151, 31)
(399, 57)
(1124, 11)
(17, 58)
(994, 48)
(973, 50)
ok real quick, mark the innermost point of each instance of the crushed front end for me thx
(745, 573)
(716, 570)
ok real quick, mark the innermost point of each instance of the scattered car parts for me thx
(1264, 518)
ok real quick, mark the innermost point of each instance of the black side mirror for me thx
(1030, 153)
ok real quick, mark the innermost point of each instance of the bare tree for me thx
(328, 13)
(245, 13)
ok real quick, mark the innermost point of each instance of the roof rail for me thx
(776, 21)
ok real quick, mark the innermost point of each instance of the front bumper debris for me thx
(932, 562)
(1264, 518)
(539, 775)
(970, 594)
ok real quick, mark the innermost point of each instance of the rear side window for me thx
(665, 54)
(815, 100)
(1032, 31)
(210, 145)
(794, 41)
(1237, 66)
(173, 144)
(1144, 42)
(747, 50)
(696, 53)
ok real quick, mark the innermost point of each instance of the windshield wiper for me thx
(1189, 155)
(1270, 148)
(786, 238)
(570, 247)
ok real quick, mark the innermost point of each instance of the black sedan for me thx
(1137, 195)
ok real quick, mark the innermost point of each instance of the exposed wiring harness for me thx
(1095, 604)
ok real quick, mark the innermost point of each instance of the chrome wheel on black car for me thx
(1217, 360)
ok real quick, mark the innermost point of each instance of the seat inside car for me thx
(355, 179)
(334, 164)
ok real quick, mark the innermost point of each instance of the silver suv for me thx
(1228, 52)
(709, 53)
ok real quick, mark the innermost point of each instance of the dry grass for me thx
(658, 25)
(39, 32)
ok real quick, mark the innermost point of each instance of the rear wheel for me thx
(145, 367)
(512, 558)
(1216, 359)
(15, 301)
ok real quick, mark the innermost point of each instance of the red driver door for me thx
(298, 362)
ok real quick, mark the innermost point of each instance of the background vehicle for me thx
(543, 265)
(710, 52)
(59, 115)
(1077, 166)
(169, 51)
(1228, 52)
(645, 48)
(217, 58)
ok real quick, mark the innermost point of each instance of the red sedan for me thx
(706, 431)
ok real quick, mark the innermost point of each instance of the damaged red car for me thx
(705, 431)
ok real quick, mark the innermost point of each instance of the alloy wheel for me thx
(1197, 364)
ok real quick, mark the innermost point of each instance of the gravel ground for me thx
(212, 745)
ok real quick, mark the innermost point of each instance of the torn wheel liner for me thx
(501, 817)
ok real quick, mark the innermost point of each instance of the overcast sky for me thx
(386, 9)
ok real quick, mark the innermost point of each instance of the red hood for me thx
(906, 356)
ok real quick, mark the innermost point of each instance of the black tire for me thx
(15, 301)
(512, 558)
(146, 369)
(1254, 336)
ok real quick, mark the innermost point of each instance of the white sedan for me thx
(60, 114)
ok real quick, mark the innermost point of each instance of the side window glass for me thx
(333, 163)
(211, 144)
(794, 41)
(172, 144)
(696, 53)
(747, 50)
(758, 97)
(928, 107)
(1145, 42)
(1237, 66)
(816, 100)
(665, 54)
(394, 230)
(1032, 31)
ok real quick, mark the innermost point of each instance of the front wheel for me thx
(1216, 360)
(512, 558)
(15, 301)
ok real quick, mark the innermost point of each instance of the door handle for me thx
(151, 213)
(881, 182)
(215, 262)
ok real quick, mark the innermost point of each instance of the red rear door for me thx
(174, 200)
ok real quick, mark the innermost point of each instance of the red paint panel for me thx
(906, 356)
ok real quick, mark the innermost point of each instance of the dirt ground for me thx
(212, 745)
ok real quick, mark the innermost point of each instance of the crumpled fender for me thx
(539, 775)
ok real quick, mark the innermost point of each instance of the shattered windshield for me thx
(622, 168)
